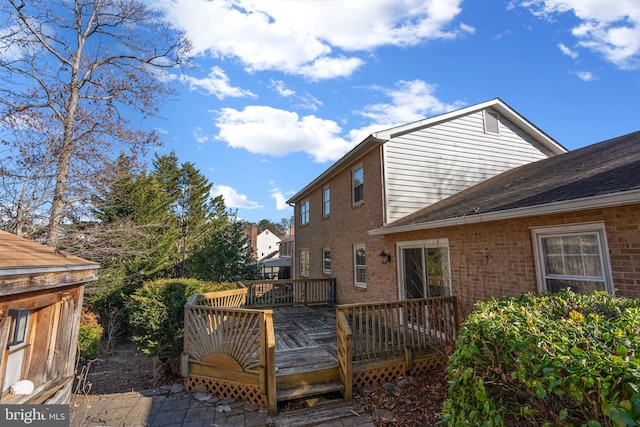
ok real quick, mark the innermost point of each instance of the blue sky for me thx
(283, 88)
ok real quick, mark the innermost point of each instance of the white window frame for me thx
(359, 267)
(326, 269)
(304, 212)
(353, 184)
(326, 201)
(566, 230)
(422, 244)
(17, 356)
(304, 262)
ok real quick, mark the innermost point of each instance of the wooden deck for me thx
(305, 339)
(266, 355)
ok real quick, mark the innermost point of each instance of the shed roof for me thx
(602, 174)
(22, 256)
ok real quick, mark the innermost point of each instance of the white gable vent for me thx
(491, 122)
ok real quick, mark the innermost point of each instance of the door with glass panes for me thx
(424, 269)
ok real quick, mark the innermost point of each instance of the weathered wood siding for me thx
(428, 165)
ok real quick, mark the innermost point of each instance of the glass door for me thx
(424, 270)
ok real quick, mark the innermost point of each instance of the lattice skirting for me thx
(226, 389)
(364, 377)
(424, 365)
(378, 375)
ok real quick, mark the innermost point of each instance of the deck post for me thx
(344, 337)
(270, 362)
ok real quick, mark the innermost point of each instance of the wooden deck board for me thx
(305, 338)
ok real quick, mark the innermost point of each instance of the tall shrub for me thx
(157, 313)
(562, 359)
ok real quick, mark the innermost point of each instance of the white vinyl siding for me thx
(428, 165)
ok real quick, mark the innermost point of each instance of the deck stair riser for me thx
(309, 390)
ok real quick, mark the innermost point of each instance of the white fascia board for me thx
(363, 147)
(20, 271)
(497, 104)
(603, 201)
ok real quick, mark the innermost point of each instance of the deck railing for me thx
(289, 292)
(385, 329)
(396, 333)
(229, 350)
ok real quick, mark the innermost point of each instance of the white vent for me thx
(491, 122)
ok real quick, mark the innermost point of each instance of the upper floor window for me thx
(357, 182)
(304, 212)
(572, 256)
(360, 265)
(326, 201)
(326, 260)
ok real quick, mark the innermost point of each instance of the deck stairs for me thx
(308, 384)
(306, 363)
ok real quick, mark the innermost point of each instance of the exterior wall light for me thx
(385, 258)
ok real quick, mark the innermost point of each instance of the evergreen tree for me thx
(134, 237)
(189, 194)
(224, 255)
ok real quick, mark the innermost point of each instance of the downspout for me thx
(294, 274)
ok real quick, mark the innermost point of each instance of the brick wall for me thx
(345, 226)
(496, 258)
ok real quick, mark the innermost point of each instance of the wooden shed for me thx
(41, 292)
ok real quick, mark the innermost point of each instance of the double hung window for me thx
(360, 265)
(357, 183)
(304, 212)
(574, 257)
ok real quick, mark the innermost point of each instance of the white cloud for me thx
(467, 28)
(301, 36)
(199, 135)
(281, 89)
(216, 83)
(280, 199)
(233, 199)
(275, 132)
(270, 131)
(410, 101)
(567, 51)
(585, 76)
(326, 68)
(611, 28)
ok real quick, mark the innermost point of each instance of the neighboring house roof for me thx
(599, 175)
(377, 138)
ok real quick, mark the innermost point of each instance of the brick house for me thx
(392, 174)
(572, 220)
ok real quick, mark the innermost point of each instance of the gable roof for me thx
(22, 256)
(602, 174)
(378, 138)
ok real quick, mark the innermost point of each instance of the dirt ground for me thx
(408, 401)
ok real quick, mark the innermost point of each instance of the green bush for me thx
(89, 337)
(562, 359)
(156, 313)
